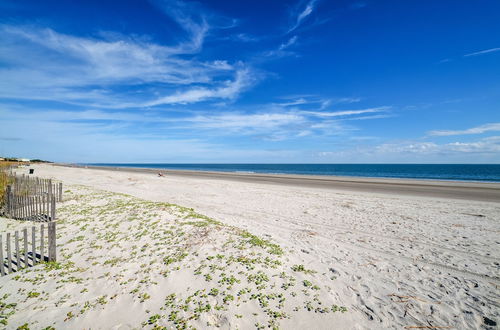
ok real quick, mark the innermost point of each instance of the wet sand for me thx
(475, 191)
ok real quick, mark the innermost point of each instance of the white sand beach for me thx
(137, 250)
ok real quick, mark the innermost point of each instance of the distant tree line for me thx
(14, 159)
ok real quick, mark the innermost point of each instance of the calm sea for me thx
(463, 172)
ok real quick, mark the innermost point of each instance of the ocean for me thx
(460, 172)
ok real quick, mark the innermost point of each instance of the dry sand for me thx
(394, 261)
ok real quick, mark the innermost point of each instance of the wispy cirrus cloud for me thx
(315, 102)
(288, 43)
(487, 146)
(491, 127)
(42, 64)
(227, 90)
(301, 14)
(272, 122)
(482, 52)
(346, 112)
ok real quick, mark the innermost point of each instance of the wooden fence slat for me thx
(9, 255)
(48, 206)
(8, 194)
(42, 204)
(35, 202)
(2, 269)
(42, 242)
(52, 241)
(26, 200)
(30, 203)
(25, 236)
(33, 245)
(50, 189)
(25, 207)
(53, 208)
(18, 257)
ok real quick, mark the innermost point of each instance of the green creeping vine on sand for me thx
(220, 272)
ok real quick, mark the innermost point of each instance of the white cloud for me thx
(474, 130)
(256, 121)
(489, 145)
(486, 51)
(303, 14)
(345, 112)
(297, 101)
(315, 101)
(228, 90)
(482, 151)
(190, 18)
(289, 43)
(40, 63)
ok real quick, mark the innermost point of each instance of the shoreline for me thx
(462, 190)
(333, 176)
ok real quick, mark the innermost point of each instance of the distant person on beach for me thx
(160, 174)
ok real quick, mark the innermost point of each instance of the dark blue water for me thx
(462, 172)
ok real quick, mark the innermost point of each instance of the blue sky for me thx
(310, 81)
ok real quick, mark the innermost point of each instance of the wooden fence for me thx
(33, 208)
(32, 198)
(34, 186)
(18, 252)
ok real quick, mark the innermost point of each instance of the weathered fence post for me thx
(48, 205)
(52, 241)
(60, 191)
(42, 204)
(25, 241)
(42, 243)
(18, 257)
(2, 270)
(8, 200)
(50, 187)
(25, 207)
(9, 255)
(33, 245)
(53, 211)
(14, 206)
